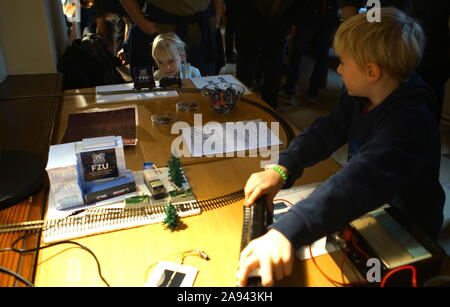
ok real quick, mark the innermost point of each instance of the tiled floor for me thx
(301, 113)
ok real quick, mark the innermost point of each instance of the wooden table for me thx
(26, 124)
(127, 256)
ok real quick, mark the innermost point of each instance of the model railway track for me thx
(88, 218)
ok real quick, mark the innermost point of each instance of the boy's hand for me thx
(272, 253)
(267, 182)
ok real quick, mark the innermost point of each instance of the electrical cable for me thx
(348, 236)
(16, 275)
(290, 135)
(343, 283)
(20, 251)
(405, 267)
(343, 264)
(334, 282)
(194, 252)
(284, 200)
(358, 248)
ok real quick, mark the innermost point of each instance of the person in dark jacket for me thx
(194, 21)
(315, 28)
(262, 26)
(113, 23)
(394, 147)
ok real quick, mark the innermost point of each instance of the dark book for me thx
(120, 122)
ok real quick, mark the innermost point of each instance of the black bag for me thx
(87, 63)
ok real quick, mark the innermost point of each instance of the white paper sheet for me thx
(99, 98)
(215, 139)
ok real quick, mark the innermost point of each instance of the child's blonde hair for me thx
(395, 43)
(168, 44)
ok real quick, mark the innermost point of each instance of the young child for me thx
(394, 147)
(169, 52)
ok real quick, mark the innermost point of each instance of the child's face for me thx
(353, 75)
(169, 64)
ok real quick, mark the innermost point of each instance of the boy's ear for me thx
(373, 72)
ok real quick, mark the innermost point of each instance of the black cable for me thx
(18, 250)
(16, 275)
(286, 126)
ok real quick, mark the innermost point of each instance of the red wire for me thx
(352, 238)
(279, 199)
(358, 248)
(344, 284)
(349, 235)
(323, 273)
(413, 279)
(385, 278)
(343, 264)
(329, 278)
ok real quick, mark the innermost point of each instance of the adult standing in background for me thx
(193, 20)
(262, 29)
(231, 13)
(113, 23)
(317, 23)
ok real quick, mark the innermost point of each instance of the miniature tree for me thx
(172, 219)
(175, 171)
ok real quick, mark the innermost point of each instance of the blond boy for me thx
(169, 53)
(394, 147)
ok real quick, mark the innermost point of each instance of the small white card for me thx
(169, 274)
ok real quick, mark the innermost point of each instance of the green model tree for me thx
(172, 219)
(175, 171)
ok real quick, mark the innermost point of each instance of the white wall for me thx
(32, 35)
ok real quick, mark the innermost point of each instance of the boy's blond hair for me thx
(168, 44)
(395, 43)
